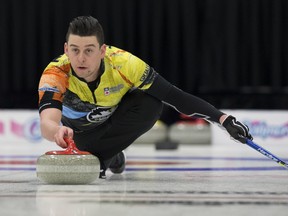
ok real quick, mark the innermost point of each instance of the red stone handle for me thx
(70, 150)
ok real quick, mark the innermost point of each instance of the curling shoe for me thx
(118, 163)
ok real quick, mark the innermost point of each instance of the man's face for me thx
(85, 55)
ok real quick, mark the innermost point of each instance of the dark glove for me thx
(236, 129)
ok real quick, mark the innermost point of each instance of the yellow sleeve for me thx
(135, 71)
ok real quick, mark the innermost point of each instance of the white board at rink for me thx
(268, 128)
(19, 127)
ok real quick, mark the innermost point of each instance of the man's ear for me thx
(103, 50)
(65, 47)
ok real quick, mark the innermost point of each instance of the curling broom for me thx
(266, 153)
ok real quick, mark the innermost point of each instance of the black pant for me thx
(135, 115)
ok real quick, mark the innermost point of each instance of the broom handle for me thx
(266, 153)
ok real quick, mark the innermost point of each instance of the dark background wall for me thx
(232, 53)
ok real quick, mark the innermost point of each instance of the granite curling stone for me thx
(69, 166)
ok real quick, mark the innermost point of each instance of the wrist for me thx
(223, 118)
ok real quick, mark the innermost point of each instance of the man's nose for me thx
(81, 57)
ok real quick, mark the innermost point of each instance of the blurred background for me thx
(232, 53)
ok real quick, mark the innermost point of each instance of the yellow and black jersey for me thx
(84, 107)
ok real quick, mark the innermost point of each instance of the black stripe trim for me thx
(44, 104)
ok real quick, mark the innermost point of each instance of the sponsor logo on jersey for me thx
(113, 89)
(145, 74)
(100, 114)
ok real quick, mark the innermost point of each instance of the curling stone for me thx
(157, 133)
(190, 132)
(69, 166)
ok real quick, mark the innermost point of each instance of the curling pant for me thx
(136, 114)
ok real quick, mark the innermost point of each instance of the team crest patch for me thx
(106, 91)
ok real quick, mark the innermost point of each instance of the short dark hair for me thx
(86, 26)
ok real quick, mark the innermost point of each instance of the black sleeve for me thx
(48, 102)
(183, 102)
